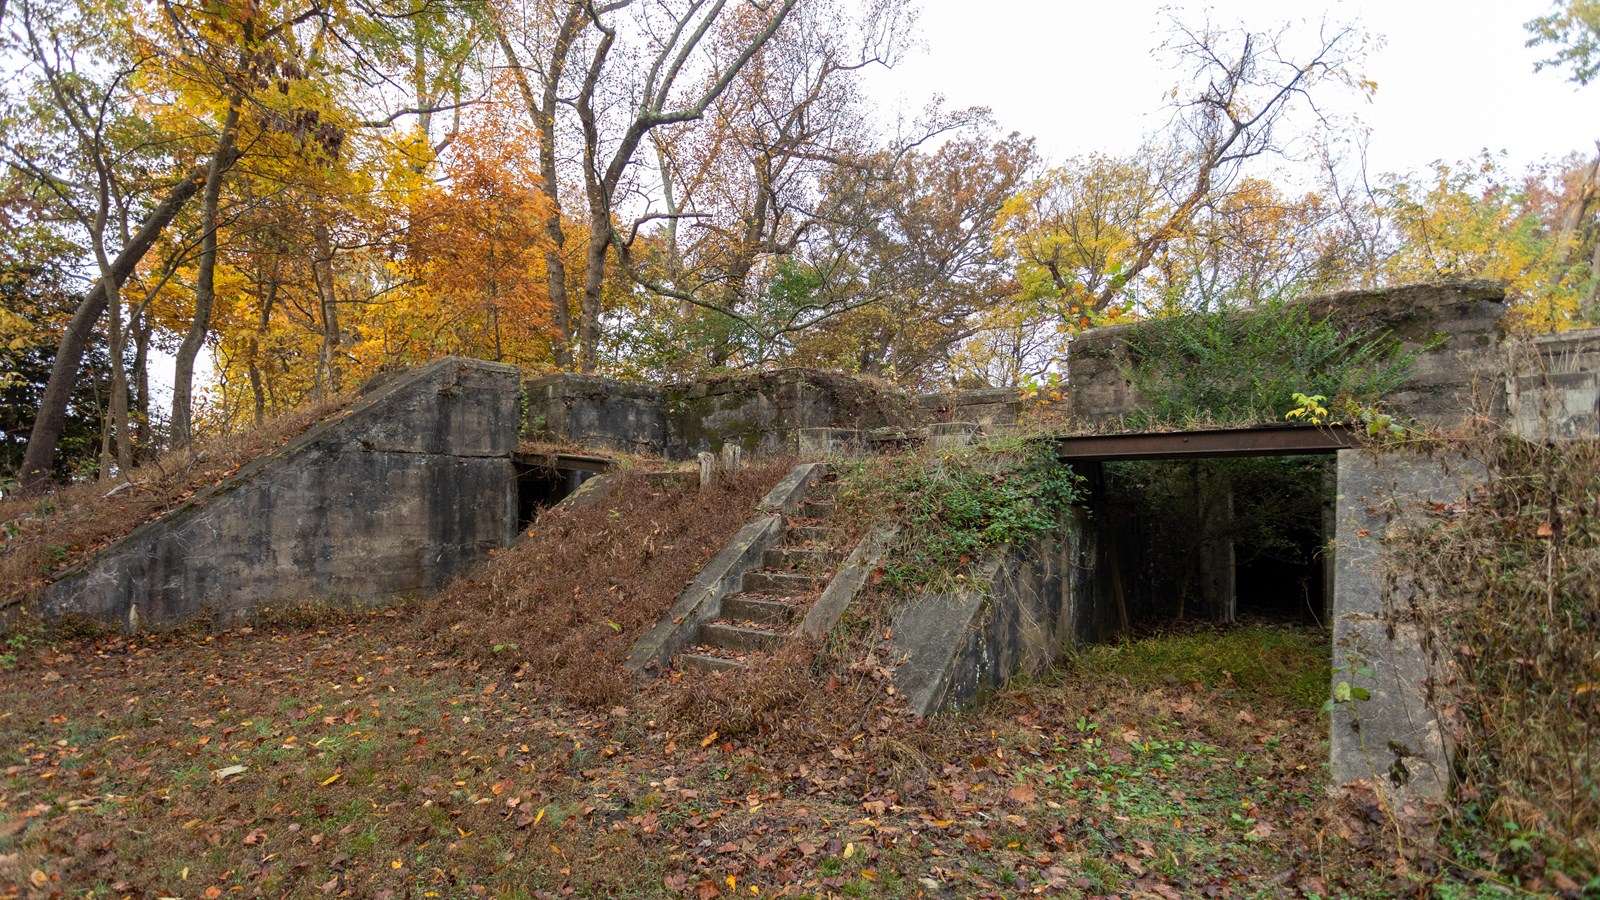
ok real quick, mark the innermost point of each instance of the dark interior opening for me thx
(1274, 584)
(542, 486)
(1215, 540)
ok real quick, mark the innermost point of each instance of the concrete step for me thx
(782, 584)
(801, 559)
(815, 508)
(703, 662)
(755, 609)
(800, 535)
(738, 638)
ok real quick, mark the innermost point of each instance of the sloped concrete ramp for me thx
(405, 488)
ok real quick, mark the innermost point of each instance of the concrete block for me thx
(822, 443)
(951, 434)
(1555, 405)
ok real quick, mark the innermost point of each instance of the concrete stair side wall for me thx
(1018, 612)
(722, 577)
(409, 486)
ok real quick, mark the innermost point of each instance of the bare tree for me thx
(1249, 83)
(616, 106)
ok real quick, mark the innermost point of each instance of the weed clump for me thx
(956, 505)
(1514, 587)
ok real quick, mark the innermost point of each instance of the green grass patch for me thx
(1288, 665)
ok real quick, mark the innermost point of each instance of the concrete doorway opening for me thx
(1212, 526)
(1217, 540)
(543, 480)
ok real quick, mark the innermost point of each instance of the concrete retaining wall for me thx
(1393, 737)
(412, 484)
(1019, 611)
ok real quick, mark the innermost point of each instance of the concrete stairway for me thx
(774, 596)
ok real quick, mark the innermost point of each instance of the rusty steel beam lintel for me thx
(571, 461)
(1271, 440)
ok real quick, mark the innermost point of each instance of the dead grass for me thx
(45, 534)
(1510, 584)
(563, 605)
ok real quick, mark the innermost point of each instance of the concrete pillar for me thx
(1393, 736)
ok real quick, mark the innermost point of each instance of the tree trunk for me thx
(322, 272)
(205, 290)
(141, 329)
(257, 390)
(594, 277)
(543, 111)
(52, 418)
(119, 390)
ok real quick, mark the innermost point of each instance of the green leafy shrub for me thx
(956, 505)
(1247, 366)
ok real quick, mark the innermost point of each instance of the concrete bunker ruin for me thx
(423, 477)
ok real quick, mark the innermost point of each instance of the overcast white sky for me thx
(1453, 78)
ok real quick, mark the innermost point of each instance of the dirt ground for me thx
(352, 758)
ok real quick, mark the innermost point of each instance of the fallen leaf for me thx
(1022, 794)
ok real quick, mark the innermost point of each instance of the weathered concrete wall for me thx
(1461, 371)
(1019, 611)
(1552, 385)
(597, 412)
(412, 484)
(991, 406)
(1394, 736)
(760, 412)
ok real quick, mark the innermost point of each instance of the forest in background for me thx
(303, 193)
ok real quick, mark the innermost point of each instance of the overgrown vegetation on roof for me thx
(1232, 367)
(955, 505)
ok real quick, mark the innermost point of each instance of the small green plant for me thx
(1309, 409)
(1344, 692)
